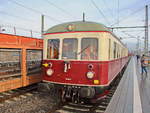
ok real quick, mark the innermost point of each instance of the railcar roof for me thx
(78, 26)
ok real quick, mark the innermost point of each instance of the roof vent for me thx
(83, 17)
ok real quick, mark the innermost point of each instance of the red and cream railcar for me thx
(82, 58)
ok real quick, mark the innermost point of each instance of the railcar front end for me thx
(76, 59)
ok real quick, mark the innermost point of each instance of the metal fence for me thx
(19, 31)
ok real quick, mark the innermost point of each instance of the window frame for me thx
(115, 50)
(58, 48)
(98, 49)
(109, 49)
(77, 48)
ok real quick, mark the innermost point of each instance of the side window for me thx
(115, 49)
(53, 49)
(89, 49)
(119, 51)
(109, 49)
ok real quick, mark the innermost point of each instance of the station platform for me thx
(133, 92)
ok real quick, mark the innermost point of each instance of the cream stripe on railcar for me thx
(111, 48)
(80, 35)
(103, 42)
(44, 48)
(104, 46)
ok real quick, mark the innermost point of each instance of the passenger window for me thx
(89, 49)
(109, 51)
(53, 49)
(115, 49)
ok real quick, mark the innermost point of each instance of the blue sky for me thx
(27, 14)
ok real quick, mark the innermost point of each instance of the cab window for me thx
(70, 47)
(53, 49)
(89, 49)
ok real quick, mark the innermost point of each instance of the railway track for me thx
(21, 92)
(99, 107)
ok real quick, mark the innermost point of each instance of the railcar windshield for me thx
(89, 49)
(70, 47)
(53, 49)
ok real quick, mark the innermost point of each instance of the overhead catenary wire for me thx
(118, 12)
(33, 10)
(59, 8)
(15, 16)
(132, 35)
(132, 30)
(108, 9)
(100, 11)
(129, 16)
(132, 13)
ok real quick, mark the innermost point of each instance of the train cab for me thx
(85, 56)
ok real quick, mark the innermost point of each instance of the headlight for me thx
(49, 72)
(90, 75)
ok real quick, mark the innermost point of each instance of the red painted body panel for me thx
(115, 67)
(105, 71)
(77, 73)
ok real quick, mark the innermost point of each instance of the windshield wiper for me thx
(83, 49)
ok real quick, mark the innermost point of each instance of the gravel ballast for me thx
(37, 103)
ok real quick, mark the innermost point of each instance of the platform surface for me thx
(133, 92)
